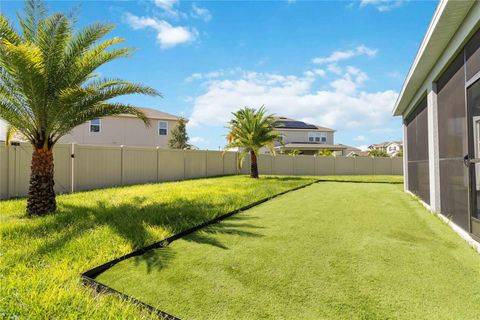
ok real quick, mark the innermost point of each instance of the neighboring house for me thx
(355, 152)
(125, 130)
(3, 130)
(440, 106)
(392, 148)
(305, 137)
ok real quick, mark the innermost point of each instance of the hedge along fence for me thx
(93, 167)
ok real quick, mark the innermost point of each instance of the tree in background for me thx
(48, 87)
(294, 152)
(377, 153)
(399, 154)
(325, 153)
(179, 139)
(250, 130)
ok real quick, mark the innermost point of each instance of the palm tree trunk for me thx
(253, 165)
(41, 195)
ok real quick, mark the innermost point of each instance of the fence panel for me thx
(229, 163)
(20, 158)
(245, 169)
(344, 166)
(63, 168)
(3, 172)
(397, 166)
(304, 165)
(265, 164)
(382, 166)
(282, 165)
(364, 165)
(139, 165)
(195, 164)
(97, 167)
(214, 163)
(171, 165)
(324, 166)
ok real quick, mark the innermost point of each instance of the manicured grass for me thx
(333, 250)
(41, 259)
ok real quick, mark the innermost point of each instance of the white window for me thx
(95, 125)
(162, 128)
(317, 137)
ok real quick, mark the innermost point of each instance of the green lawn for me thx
(41, 259)
(330, 251)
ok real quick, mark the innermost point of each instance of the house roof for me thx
(385, 144)
(291, 124)
(447, 18)
(311, 146)
(350, 148)
(155, 114)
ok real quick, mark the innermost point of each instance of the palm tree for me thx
(251, 130)
(48, 87)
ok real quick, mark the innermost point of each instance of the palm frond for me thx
(47, 75)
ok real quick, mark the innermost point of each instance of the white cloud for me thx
(382, 5)
(343, 106)
(359, 138)
(167, 35)
(169, 8)
(200, 13)
(337, 56)
(363, 147)
(213, 74)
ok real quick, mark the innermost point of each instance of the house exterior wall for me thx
(116, 131)
(3, 130)
(291, 135)
(393, 148)
(448, 133)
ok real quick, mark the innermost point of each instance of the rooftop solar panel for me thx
(293, 125)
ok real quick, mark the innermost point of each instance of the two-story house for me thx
(392, 148)
(307, 138)
(122, 129)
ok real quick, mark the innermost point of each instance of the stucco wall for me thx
(117, 131)
(302, 136)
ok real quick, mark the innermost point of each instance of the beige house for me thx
(307, 138)
(392, 148)
(125, 130)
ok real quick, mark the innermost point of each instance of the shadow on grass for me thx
(235, 225)
(133, 222)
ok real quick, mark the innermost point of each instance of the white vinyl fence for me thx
(85, 167)
(323, 166)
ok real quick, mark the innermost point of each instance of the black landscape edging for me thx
(88, 277)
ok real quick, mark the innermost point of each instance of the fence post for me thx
(334, 165)
(157, 164)
(206, 163)
(184, 165)
(122, 165)
(12, 170)
(72, 168)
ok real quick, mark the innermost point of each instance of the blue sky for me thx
(338, 64)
